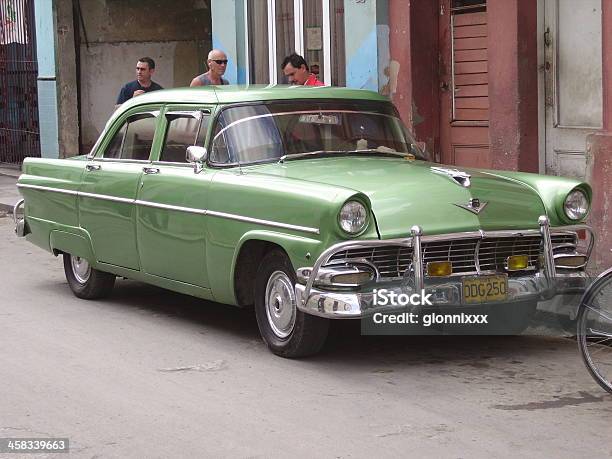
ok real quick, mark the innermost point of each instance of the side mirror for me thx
(196, 155)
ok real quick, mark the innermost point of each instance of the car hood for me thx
(404, 193)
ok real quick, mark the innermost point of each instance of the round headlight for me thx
(576, 205)
(353, 217)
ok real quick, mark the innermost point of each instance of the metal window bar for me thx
(19, 125)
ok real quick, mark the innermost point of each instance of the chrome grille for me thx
(390, 261)
(460, 252)
(564, 242)
(493, 252)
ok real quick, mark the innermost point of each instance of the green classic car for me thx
(299, 201)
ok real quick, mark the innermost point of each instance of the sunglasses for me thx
(220, 61)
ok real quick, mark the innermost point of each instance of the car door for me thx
(172, 199)
(108, 192)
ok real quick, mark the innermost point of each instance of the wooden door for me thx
(464, 94)
(573, 99)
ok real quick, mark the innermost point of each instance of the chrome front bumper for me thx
(540, 285)
(19, 222)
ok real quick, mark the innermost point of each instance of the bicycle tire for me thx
(595, 330)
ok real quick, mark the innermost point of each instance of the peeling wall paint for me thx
(114, 34)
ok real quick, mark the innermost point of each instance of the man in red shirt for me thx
(296, 70)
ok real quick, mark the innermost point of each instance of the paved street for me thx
(151, 373)
(8, 191)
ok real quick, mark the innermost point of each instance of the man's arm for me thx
(196, 82)
(123, 96)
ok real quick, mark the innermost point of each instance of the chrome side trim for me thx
(47, 188)
(156, 205)
(241, 218)
(258, 221)
(105, 197)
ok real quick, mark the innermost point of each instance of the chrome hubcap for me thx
(281, 305)
(80, 269)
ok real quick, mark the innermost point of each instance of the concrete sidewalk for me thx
(8, 191)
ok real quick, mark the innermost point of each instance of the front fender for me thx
(552, 191)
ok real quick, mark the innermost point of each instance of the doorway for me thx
(571, 95)
(312, 28)
(464, 93)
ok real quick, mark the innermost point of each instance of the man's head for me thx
(295, 69)
(217, 62)
(145, 67)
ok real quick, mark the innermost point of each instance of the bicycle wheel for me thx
(595, 330)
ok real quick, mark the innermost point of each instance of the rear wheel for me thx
(286, 330)
(84, 281)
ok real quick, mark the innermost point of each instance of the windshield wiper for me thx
(382, 151)
(311, 153)
(379, 151)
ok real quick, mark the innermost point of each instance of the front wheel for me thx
(286, 330)
(595, 330)
(86, 282)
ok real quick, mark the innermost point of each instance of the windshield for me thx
(261, 133)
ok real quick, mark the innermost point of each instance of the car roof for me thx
(251, 93)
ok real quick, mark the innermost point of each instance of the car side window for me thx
(184, 129)
(134, 140)
(139, 137)
(113, 151)
(220, 153)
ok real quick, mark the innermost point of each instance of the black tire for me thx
(286, 330)
(595, 331)
(86, 282)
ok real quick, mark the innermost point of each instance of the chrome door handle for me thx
(150, 170)
(93, 167)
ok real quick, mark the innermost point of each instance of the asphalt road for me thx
(150, 373)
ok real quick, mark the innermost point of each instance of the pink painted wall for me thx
(599, 147)
(513, 88)
(400, 84)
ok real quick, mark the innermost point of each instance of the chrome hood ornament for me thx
(474, 205)
(462, 178)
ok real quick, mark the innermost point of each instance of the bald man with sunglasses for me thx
(217, 64)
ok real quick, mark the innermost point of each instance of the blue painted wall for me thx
(47, 90)
(361, 44)
(228, 36)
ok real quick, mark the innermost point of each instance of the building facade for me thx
(19, 99)
(501, 84)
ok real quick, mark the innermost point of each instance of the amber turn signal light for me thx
(571, 261)
(517, 262)
(439, 268)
